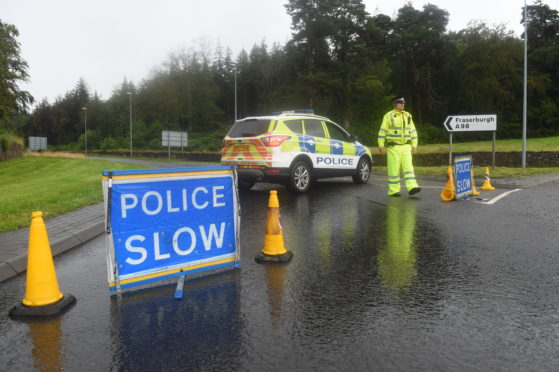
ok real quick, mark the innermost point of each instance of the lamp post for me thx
(525, 96)
(235, 94)
(85, 124)
(130, 95)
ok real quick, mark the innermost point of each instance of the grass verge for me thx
(506, 145)
(53, 185)
(497, 172)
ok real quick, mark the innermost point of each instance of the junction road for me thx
(375, 283)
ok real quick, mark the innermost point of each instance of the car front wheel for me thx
(299, 177)
(363, 171)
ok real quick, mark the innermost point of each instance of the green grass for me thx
(51, 185)
(497, 172)
(508, 145)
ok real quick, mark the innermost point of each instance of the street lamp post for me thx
(235, 94)
(130, 95)
(85, 124)
(525, 96)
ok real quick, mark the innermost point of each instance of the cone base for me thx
(447, 195)
(277, 258)
(21, 311)
(487, 188)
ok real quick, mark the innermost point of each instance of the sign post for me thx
(174, 139)
(167, 223)
(471, 123)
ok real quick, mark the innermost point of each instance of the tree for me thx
(543, 74)
(417, 49)
(13, 70)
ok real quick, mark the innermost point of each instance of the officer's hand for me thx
(414, 150)
(381, 149)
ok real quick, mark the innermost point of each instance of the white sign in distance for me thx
(471, 123)
(174, 139)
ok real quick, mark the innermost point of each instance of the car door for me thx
(342, 148)
(315, 143)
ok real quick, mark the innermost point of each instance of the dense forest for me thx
(341, 61)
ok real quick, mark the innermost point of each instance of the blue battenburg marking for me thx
(336, 147)
(305, 145)
(359, 150)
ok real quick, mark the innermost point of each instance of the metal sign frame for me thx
(463, 176)
(167, 223)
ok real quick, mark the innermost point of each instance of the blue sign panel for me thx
(463, 176)
(168, 222)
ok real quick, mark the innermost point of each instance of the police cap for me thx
(398, 99)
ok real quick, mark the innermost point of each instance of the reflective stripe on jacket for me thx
(397, 128)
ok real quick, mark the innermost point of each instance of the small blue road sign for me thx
(168, 223)
(463, 176)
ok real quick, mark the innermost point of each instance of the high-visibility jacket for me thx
(397, 128)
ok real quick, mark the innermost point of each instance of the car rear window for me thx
(249, 128)
(314, 128)
(295, 125)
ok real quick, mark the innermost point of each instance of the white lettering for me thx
(158, 255)
(140, 250)
(124, 206)
(159, 203)
(184, 200)
(195, 202)
(176, 241)
(170, 208)
(218, 196)
(207, 238)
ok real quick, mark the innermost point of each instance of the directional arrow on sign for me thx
(447, 124)
(471, 123)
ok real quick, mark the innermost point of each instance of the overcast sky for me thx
(106, 41)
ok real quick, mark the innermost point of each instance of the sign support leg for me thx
(180, 286)
(494, 145)
(450, 150)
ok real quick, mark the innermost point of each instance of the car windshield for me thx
(249, 128)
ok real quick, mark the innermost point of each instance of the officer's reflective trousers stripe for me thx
(399, 159)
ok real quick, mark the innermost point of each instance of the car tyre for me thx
(363, 171)
(300, 177)
(245, 184)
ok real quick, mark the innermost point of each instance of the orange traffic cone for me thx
(487, 182)
(42, 295)
(448, 192)
(474, 191)
(273, 250)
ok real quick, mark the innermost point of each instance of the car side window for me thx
(295, 125)
(336, 132)
(314, 128)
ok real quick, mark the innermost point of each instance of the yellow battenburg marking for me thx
(156, 175)
(173, 271)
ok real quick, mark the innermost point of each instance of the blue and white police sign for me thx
(164, 223)
(463, 176)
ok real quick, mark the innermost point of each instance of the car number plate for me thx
(240, 147)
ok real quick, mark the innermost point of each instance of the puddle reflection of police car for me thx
(294, 148)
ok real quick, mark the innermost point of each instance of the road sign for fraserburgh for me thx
(471, 123)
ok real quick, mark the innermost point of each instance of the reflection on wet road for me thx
(375, 283)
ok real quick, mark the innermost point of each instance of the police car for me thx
(293, 148)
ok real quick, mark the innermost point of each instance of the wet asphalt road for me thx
(375, 283)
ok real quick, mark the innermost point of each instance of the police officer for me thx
(397, 137)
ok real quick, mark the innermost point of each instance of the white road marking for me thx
(497, 198)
